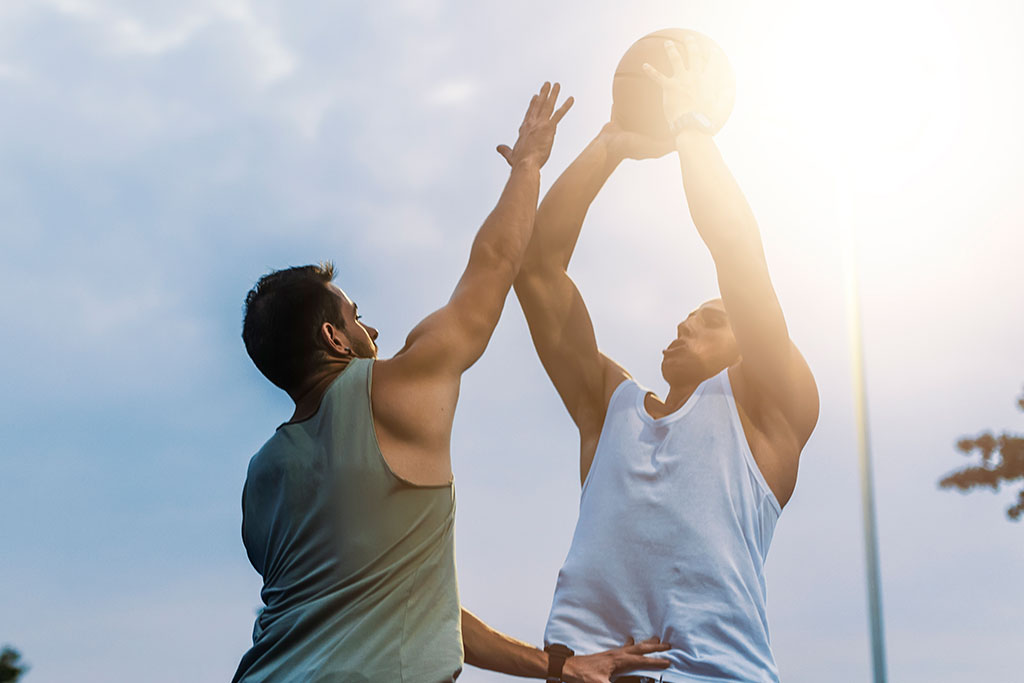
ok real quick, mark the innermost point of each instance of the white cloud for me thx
(275, 61)
(132, 36)
(74, 8)
(129, 32)
(451, 93)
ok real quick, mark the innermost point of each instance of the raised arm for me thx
(454, 337)
(415, 392)
(770, 362)
(489, 649)
(555, 312)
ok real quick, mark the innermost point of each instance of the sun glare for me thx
(877, 93)
(884, 89)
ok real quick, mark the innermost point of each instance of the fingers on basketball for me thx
(676, 59)
(656, 76)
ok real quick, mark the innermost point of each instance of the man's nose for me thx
(374, 333)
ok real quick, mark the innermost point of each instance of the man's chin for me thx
(683, 368)
(368, 352)
(673, 368)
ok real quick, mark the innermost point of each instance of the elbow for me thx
(538, 273)
(501, 259)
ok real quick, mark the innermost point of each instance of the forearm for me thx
(490, 649)
(717, 205)
(504, 235)
(556, 314)
(561, 213)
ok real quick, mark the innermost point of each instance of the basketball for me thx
(636, 99)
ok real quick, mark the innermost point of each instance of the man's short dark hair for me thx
(282, 320)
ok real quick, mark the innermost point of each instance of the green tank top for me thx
(358, 565)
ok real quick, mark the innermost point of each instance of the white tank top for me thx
(674, 527)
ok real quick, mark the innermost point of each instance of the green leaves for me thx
(11, 667)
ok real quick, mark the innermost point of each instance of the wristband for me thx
(557, 654)
(691, 120)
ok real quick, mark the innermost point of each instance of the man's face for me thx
(703, 347)
(361, 337)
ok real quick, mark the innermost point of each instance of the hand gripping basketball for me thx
(690, 87)
(638, 100)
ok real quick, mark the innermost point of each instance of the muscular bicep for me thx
(563, 335)
(452, 338)
(789, 402)
(771, 363)
(802, 401)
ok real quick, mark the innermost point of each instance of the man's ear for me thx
(335, 339)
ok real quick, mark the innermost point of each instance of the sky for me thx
(157, 158)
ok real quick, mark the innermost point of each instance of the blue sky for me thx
(155, 159)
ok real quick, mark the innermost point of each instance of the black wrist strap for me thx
(557, 654)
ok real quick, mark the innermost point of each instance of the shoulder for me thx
(267, 468)
(403, 378)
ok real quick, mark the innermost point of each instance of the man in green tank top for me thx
(348, 509)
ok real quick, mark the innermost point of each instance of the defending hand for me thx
(537, 132)
(689, 88)
(598, 668)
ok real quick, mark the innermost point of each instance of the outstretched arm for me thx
(489, 649)
(414, 393)
(770, 362)
(454, 337)
(555, 312)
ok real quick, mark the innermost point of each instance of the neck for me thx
(307, 399)
(678, 395)
(679, 392)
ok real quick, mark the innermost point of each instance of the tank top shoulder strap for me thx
(623, 395)
(348, 415)
(744, 444)
(354, 381)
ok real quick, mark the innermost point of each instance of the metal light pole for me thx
(860, 401)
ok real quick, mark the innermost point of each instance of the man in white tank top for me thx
(680, 494)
